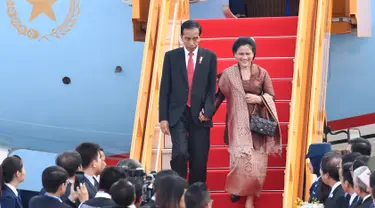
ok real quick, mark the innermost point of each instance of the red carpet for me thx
(276, 40)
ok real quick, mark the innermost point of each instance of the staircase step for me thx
(217, 134)
(266, 200)
(282, 111)
(279, 67)
(219, 158)
(216, 180)
(249, 27)
(266, 46)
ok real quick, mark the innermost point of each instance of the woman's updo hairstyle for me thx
(242, 41)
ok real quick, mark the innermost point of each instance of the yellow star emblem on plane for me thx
(42, 6)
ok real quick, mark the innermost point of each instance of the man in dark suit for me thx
(330, 176)
(54, 180)
(186, 102)
(92, 165)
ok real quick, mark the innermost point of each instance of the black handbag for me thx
(259, 125)
(262, 126)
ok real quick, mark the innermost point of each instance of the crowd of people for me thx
(81, 179)
(344, 178)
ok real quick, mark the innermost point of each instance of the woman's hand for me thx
(253, 99)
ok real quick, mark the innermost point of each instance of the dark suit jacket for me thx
(100, 202)
(337, 200)
(174, 86)
(365, 204)
(8, 199)
(65, 198)
(355, 203)
(91, 189)
(43, 201)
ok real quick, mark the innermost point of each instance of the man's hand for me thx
(253, 99)
(73, 194)
(164, 126)
(83, 193)
(202, 117)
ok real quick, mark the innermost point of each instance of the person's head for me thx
(315, 153)
(190, 34)
(109, 176)
(360, 145)
(91, 159)
(129, 163)
(329, 168)
(54, 180)
(244, 50)
(132, 168)
(359, 161)
(12, 170)
(123, 192)
(350, 157)
(171, 195)
(360, 187)
(71, 161)
(160, 175)
(197, 196)
(346, 177)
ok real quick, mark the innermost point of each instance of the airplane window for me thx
(66, 80)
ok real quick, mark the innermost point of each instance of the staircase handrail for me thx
(319, 79)
(299, 110)
(140, 116)
(167, 13)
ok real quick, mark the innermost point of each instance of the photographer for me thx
(157, 183)
(136, 175)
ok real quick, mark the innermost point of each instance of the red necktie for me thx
(190, 72)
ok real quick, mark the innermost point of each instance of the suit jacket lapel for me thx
(198, 69)
(92, 187)
(182, 62)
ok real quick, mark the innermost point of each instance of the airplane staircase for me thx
(279, 35)
(294, 50)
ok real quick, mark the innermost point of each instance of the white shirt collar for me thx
(12, 188)
(103, 194)
(195, 52)
(352, 197)
(91, 179)
(364, 198)
(337, 184)
(187, 52)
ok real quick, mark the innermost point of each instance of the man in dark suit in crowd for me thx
(92, 165)
(186, 102)
(329, 171)
(54, 180)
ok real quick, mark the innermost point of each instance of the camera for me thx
(147, 180)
